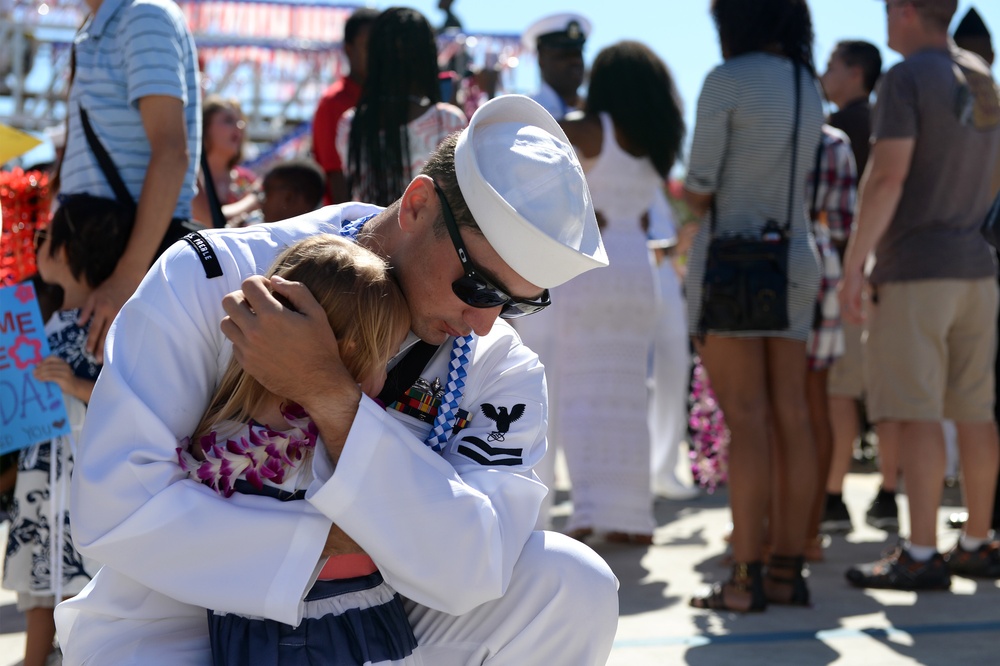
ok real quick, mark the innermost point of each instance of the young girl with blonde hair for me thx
(252, 441)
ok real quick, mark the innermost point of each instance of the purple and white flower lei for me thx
(708, 433)
(262, 454)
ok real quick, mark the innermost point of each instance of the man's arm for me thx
(134, 509)
(881, 189)
(309, 370)
(445, 531)
(163, 122)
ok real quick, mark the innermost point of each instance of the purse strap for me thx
(795, 150)
(813, 212)
(795, 146)
(214, 205)
(107, 166)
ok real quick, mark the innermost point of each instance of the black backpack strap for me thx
(403, 374)
(107, 166)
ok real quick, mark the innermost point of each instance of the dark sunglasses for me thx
(475, 289)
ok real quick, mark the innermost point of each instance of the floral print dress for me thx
(41, 561)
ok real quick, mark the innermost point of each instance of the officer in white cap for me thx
(558, 42)
(438, 488)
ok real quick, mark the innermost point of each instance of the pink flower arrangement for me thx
(709, 435)
(261, 455)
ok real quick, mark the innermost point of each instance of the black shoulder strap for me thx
(107, 166)
(218, 219)
(407, 371)
(795, 145)
(813, 213)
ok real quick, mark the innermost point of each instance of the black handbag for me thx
(746, 277)
(178, 227)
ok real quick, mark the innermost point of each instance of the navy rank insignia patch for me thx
(502, 418)
(485, 453)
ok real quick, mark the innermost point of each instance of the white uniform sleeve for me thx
(134, 510)
(446, 530)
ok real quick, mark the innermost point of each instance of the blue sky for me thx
(681, 31)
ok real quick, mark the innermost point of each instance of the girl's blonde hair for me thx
(363, 303)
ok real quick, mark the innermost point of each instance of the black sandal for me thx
(786, 572)
(746, 577)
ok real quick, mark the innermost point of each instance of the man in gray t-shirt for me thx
(931, 317)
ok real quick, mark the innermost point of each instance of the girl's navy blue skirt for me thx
(354, 621)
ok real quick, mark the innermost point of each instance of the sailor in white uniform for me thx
(558, 40)
(438, 489)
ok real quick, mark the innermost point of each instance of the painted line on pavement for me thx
(822, 635)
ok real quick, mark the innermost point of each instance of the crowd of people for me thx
(368, 359)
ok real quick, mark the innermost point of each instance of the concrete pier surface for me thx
(843, 626)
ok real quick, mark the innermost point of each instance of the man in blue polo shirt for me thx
(136, 78)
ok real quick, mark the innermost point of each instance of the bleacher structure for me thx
(275, 56)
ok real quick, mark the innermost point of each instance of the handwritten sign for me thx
(30, 411)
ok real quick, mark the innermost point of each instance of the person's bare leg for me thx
(786, 381)
(736, 369)
(888, 452)
(924, 467)
(846, 427)
(822, 431)
(979, 457)
(779, 487)
(40, 631)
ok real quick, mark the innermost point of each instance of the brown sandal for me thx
(631, 539)
(789, 580)
(747, 577)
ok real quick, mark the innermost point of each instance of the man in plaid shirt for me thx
(831, 191)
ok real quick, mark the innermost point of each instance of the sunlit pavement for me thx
(844, 625)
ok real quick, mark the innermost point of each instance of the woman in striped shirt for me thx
(738, 179)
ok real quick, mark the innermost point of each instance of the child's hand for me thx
(54, 369)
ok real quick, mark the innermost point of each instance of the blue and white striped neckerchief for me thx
(461, 350)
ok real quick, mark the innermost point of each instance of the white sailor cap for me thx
(527, 192)
(566, 30)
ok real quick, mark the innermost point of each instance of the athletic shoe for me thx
(984, 562)
(883, 514)
(836, 519)
(899, 571)
(957, 519)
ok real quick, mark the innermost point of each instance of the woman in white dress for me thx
(627, 140)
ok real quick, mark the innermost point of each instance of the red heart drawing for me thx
(59, 424)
